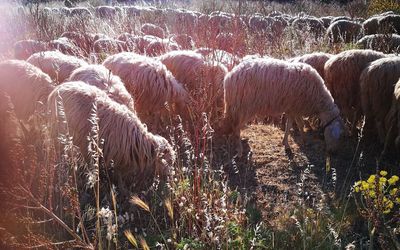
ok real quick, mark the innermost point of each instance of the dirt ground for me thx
(277, 180)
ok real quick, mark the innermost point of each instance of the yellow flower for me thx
(383, 173)
(357, 189)
(372, 194)
(398, 200)
(393, 191)
(371, 179)
(364, 185)
(393, 179)
(386, 211)
(358, 183)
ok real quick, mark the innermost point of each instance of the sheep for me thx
(136, 153)
(381, 42)
(57, 65)
(316, 60)
(81, 12)
(203, 79)
(25, 48)
(153, 30)
(342, 73)
(343, 31)
(312, 24)
(389, 23)
(392, 122)
(150, 83)
(271, 87)
(220, 56)
(82, 40)
(107, 12)
(26, 85)
(102, 78)
(65, 46)
(376, 87)
(108, 46)
(327, 20)
(184, 41)
(160, 46)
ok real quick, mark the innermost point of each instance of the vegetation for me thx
(55, 199)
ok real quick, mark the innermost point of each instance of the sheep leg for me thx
(289, 124)
(388, 140)
(300, 124)
(356, 116)
(381, 131)
(238, 143)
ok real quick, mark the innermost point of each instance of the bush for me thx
(379, 6)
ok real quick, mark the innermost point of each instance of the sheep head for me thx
(333, 134)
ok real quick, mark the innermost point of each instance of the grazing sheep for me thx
(65, 46)
(272, 87)
(377, 83)
(160, 46)
(387, 43)
(150, 83)
(343, 31)
(312, 24)
(136, 154)
(102, 78)
(389, 23)
(25, 48)
(220, 56)
(203, 79)
(107, 12)
(57, 65)
(26, 85)
(316, 60)
(342, 75)
(327, 20)
(108, 46)
(152, 30)
(81, 12)
(82, 40)
(184, 41)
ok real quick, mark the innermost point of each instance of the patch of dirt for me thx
(277, 180)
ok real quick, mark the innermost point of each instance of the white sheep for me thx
(381, 42)
(270, 87)
(150, 83)
(152, 30)
(316, 60)
(102, 78)
(343, 31)
(27, 86)
(342, 74)
(136, 154)
(377, 83)
(25, 48)
(203, 79)
(57, 65)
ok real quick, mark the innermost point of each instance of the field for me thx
(56, 194)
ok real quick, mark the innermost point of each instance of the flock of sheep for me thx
(137, 88)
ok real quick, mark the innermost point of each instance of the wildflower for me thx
(372, 194)
(364, 185)
(371, 179)
(393, 191)
(383, 173)
(393, 179)
(382, 180)
(398, 200)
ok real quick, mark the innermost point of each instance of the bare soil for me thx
(277, 181)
